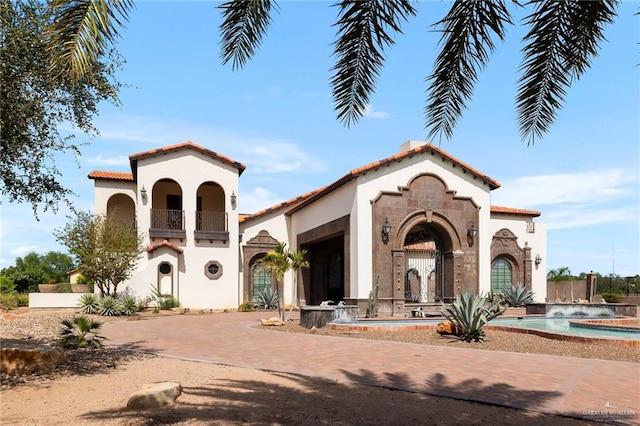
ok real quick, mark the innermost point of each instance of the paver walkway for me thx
(584, 388)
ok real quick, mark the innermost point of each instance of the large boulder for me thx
(154, 395)
(272, 321)
(23, 357)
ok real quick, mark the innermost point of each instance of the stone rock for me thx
(313, 330)
(272, 321)
(20, 357)
(447, 328)
(154, 395)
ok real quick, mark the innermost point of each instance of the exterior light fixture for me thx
(234, 198)
(386, 228)
(143, 193)
(538, 259)
(472, 232)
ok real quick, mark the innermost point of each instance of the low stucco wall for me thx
(54, 300)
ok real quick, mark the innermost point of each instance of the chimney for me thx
(411, 144)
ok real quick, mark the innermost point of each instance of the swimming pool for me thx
(557, 328)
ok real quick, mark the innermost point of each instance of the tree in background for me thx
(277, 262)
(36, 102)
(562, 39)
(106, 250)
(34, 269)
(560, 274)
(296, 262)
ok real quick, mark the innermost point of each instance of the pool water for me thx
(561, 325)
(554, 325)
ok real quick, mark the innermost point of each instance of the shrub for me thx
(8, 300)
(79, 332)
(167, 301)
(128, 305)
(611, 297)
(64, 288)
(109, 306)
(22, 299)
(517, 296)
(469, 315)
(266, 299)
(89, 303)
(6, 285)
(246, 307)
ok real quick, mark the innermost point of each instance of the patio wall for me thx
(54, 300)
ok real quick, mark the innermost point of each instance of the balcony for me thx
(167, 224)
(211, 226)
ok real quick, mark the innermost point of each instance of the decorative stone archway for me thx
(255, 248)
(505, 245)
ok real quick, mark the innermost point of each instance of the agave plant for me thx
(266, 299)
(128, 305)
(89, 303)
(109, 306)
(79, 332)
(517, 296)
(469, 314)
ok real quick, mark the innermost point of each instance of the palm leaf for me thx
(468, 29)
(563, 37)
(81, 31)
(243, 25)
(363, 33)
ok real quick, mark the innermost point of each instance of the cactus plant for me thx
(372, 311)
(517, 296)
(469, 315)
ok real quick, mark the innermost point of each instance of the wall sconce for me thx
(233, 198)
(143, 193)
(472, 232)
(538, 260)
(386, 228)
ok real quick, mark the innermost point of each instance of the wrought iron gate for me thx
(424, 276)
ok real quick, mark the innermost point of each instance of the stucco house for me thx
(420, 223)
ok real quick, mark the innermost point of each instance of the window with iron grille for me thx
(501, 273)
(531, 227)
(261, 279)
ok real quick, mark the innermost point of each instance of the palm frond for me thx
(562, 40)
(81, 31)
(364, 30)
(243, 25)
(466, 42)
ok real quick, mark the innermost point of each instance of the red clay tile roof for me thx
(101, 174)
(186, 145)
(164, 243)
(289, 203)
(423, 149)
(516, 212)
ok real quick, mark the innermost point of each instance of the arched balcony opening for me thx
(211, 219)
(121, 209)
(167, 215)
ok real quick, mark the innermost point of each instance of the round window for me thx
(213, 269)
(165, 268)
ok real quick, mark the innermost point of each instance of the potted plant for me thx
(49, 286)
(81, 285)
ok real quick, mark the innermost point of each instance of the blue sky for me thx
(276, 116)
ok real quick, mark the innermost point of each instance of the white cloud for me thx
(591, 187)
(580, 217)
(371, 113)
(20, 251)
(99, 160)
(257, 199)
(265, 156)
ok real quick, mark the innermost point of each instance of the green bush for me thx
(266, 299)
(79, 332)
(89, 303)
(22, 298)
(64, 288)
(611, 297)
(469, 314)
(167, 301)
(246, 307)
(6, 285)
(517, 296)
(9, 300)
(109, 306)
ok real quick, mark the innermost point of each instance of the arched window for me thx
(501, 272)
(261, 279)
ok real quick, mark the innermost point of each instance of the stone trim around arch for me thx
(261, 244)
(504, 244)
